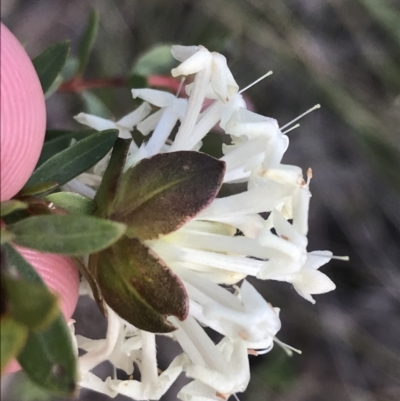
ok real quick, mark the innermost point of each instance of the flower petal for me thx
(310, 281)
(154, 96)
(198, 61)
(95, 122)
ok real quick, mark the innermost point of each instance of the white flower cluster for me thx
(208, 251)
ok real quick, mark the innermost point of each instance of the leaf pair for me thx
(153, 198)
(74, 234)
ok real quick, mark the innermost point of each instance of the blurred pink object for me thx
(23, 116)
(60, 274)
(23, 124)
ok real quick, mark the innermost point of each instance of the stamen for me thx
(256, 81)
(236, 397)
(343, 258)
(287, 348)
(309, 175)
(291, 129)
(317, 106)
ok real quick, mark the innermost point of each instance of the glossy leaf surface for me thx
(38, 189)
(50, 63)
(75, 160)
(58, 144)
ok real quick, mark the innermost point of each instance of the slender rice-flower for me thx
(217, 248)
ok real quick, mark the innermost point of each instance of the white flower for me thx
(311, 281)
(223, 244)
(198, 391)
(209, 68)
(123, 346)
(223, 367)
(292, 262)
(246, 316)
(197, 59)
(294, 206)
(172, 110)
(152, 385)
(258, 143)
(124, 125)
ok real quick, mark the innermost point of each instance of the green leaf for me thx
(6, 236)
(107, 191)
(10, 206)
(94, 105)
(139, 286)
(38, 189)
(54, 86)
(156, 61)
(13, 338)
(75, 160)
(160, 194)
(70, 68)
(18, 265)
(72, 202)
(30, 304)
(56, 133)
(50, 63)
(58, 144)
(88, 40)
(48, 357)
(70, 235)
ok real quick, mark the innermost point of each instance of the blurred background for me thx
(344, 54)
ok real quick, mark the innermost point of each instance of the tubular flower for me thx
(214, 251)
